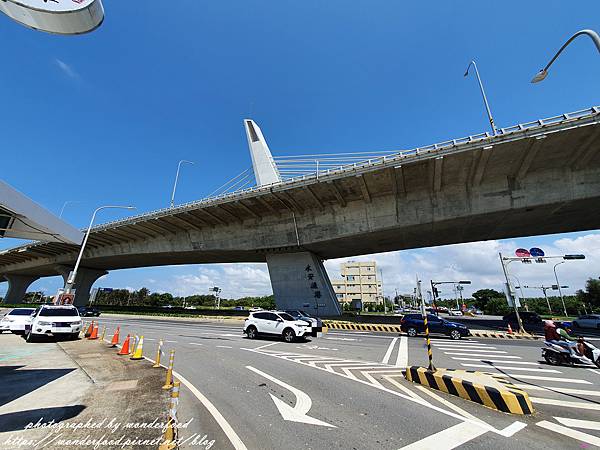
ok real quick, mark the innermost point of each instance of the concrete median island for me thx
(479, 387)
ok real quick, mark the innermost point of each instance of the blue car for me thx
(413, 324)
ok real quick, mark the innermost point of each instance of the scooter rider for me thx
(559, 336)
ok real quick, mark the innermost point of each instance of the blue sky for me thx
(104, 117)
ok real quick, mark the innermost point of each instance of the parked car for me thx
(53, 320)
(442, 309)
(587, 321)
(275, 323)
(315, 323)
(15, 320)
(87, 311)
(238, 308)
(256, 308)
(413, 324)
(526, 317)
(455, 312)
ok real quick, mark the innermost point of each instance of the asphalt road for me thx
(346, 390)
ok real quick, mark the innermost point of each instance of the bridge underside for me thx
(544, 182)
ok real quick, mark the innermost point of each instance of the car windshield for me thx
(286, 316)
(21, 312)
(294, 313)
(55, 312)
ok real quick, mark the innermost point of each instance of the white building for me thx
(359, 282)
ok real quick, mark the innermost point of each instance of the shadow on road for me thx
(20, 382)
(17, 421)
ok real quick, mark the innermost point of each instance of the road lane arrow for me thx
(297, 413)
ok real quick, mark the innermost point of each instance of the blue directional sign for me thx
(536, 252)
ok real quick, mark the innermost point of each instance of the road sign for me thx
(536, 252)
(522, 253)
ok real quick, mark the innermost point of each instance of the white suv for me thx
(15, 320)
(55, 321)
(275, 323)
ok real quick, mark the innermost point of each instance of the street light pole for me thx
(73, 274)
(62, 210)
(562, 299)
(544, 72)
(177, 178)
(485, 101)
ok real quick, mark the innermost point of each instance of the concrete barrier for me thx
(363, 327)
(479, 387)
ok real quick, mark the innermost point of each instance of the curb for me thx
(363, 327)
(508, 399)
(497, 335)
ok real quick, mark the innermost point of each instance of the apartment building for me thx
(359, 282)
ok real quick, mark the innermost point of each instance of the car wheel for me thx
(289, 335)
(251, 332)
(29, 337)
(455, 334)
(412, 332)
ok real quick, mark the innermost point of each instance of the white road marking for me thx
(339, 339)
(172, 341)
(535, 377)
(531, 387)
(388, 353)
(576, 423)
(524, 369)
(462, 345)
(267, 345)
(449, 438)
(300, 410)
(496, 361)
(578, 405)
(194, 343)
(577, 435)
(402, 359)
(595, 371)
(390, 379)
(479, 350)
(223, 346)
(477, 354)
(235, 440)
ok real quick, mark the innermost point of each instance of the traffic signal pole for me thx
(424, 314)
(512, 297)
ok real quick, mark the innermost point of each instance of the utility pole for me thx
(510, 294)
(382, 293)
(424, 315)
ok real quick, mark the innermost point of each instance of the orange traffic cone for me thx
(125, 348)
(510, 331)
(89, 330)
(115, 338)
(94, 334)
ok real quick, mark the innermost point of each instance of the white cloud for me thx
(66, 68)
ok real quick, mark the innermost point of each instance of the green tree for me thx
(484, 296)
(591, 295)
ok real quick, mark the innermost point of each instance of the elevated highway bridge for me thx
(534, 178)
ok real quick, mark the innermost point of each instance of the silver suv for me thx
(275, 323)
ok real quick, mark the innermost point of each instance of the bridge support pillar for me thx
(83, 282)
(17, 287)
(299, 281)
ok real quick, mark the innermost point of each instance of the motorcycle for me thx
(556, 355)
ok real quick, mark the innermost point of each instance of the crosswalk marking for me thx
(480, 350)
(531, 387)
(497, 361)
(388, 353)
(449, 438)
(578, 435)
(523, 369)
(402, 359)
(564, 403)
(474, 346)
(536, 377)
(478, 354)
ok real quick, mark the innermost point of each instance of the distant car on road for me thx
(255, 308)
(588, 321)
(455, 312)
(276, 323)
(15, 320)
(413, 324)
(88, 311)
(239, 308)
(50, 320)
(315, 323)
(529, 317)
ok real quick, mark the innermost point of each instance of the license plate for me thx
(61, 325)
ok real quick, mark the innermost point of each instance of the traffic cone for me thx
(139, 350)
(158, 352)
(125, 348)
(510, 331)
(94, 334)
(89, 330)
(115, 338)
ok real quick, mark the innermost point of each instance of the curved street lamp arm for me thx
(485, 101)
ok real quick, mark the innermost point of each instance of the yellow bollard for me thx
(134, 346)
(103, 333)
(139, 350)
(158, 352)
(171, 430)
(169, 381)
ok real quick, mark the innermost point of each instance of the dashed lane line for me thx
(523, 369)
(223, 346)
(194, 343)
(478, 354)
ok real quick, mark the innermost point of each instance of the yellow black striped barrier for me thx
(496, 335)
(507, 398)
(363, 327)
